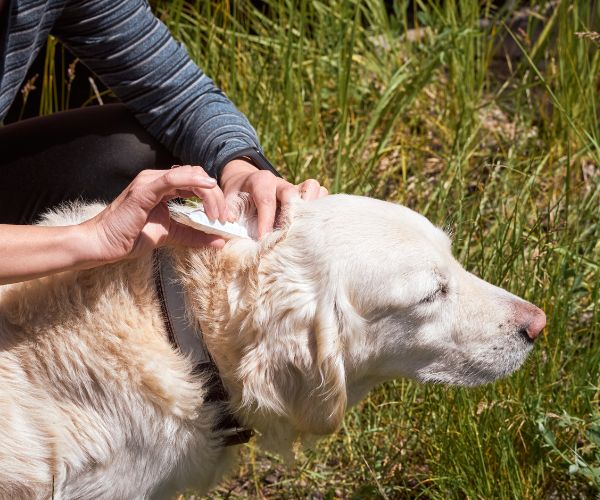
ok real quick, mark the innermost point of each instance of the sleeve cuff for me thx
(250, 154)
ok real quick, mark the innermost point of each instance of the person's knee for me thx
(87, 154)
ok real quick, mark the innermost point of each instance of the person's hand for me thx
(138, 220)
(266, 190)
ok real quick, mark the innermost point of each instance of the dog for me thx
(96, 402)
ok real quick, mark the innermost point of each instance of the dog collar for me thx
(188, 338)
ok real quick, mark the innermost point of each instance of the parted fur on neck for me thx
(224, 289)
(273, 331)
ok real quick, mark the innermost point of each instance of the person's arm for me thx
(134, 54)
(30, 252)
(266, 190)
(132, 225)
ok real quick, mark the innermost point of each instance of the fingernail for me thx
(208, 181)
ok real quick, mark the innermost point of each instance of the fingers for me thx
(275, 190)
(138, 219)
(264, 194)
(213, 201)
(151, 186)
(310, 189)
(266, 190)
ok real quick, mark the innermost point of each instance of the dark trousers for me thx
(88, 154)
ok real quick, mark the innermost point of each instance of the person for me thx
(172, 113)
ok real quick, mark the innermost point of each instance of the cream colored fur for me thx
(95, 403)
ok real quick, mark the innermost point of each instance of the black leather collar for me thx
(189, 340)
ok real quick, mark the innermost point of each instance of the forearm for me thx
(134, 224)
(28, 252)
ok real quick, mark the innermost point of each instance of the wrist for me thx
(88, 247)
(252, 155)
(31, 252)
(82, 246)
(236, 169)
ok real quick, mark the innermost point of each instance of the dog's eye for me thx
(440, 292)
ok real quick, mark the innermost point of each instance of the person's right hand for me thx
(138, 220)
(267, 191)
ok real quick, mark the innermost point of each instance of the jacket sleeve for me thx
(133, 54)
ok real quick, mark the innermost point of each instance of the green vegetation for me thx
(501, 149)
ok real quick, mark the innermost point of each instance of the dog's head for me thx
(354, 291)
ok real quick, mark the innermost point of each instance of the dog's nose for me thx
(532, 320)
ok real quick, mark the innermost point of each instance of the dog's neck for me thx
(219, 286)
(277, 356)
(223, 287)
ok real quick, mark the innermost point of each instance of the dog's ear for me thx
(297, 373)
(320, 405)
(293, 366)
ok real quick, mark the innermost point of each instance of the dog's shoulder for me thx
(70, 213)
(93, 344)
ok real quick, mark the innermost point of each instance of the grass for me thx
(503, 150)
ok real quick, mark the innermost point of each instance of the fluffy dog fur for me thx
(95, 402)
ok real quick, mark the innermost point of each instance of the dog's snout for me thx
(532, 320)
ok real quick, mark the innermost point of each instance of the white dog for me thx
(95, 402)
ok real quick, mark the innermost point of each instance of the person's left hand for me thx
(138, 220)
(266, 190)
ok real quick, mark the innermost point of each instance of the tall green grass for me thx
(504, 151)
